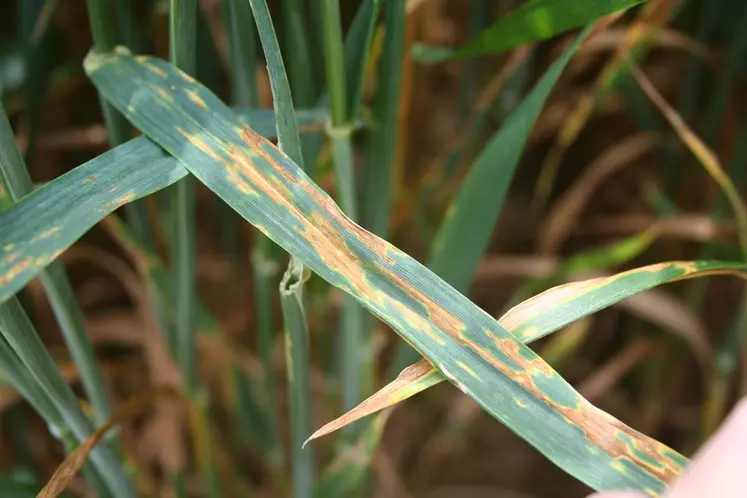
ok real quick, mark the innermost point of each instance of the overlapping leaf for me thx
(534, 21)
(42, 225)
(474, 211)
(542, 315)
(468, 346)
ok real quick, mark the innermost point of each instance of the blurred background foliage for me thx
(604, 184)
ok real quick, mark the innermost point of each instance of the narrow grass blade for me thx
(356, 66)
(56, 284)
(242, 34)
(75, 460)
(101, 17)
(23, 338)
(282, 100)
(702, 152)
(382, 147)
(474, 212)
(289, 142)
(26, 384)
(540, 316)
(182, 54)
(21, 378)
(637, 40)
(564, 214)
(43, 224)
(591, 260)
(411, 381)
(357, 364)
(300, 68)
(299, 385)
(476, 353)
(535, 21)
(36, 54)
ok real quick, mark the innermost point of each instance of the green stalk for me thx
(182, 47)
(182, 54)
(357, 366)
(299, 385)
(242, 34)
(300, 71)
(265, 267)
(265, 260)
(691, 89)
(356, 50)
(381, 153)
(24, 383)
(479, 18)
(101, 18)
(56, 284)
(18, 331)
(22, 380)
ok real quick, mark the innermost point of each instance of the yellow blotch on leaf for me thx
(196, 99)
(467, 369)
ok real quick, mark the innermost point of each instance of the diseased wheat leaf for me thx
(539, 316)
(466, 344)
(532, 22)
(473, 213)
(36, 230)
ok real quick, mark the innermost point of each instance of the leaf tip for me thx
(94, 60)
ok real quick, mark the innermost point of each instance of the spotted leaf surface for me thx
(37, 229)
(468, 346)
(539, 316)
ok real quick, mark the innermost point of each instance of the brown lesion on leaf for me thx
(16, 270)
(535, 366)
(11, 257)
(145, 61)
(599, 428)
(118, 202)
(602, 430)
(46, 234)
(195, 98)
(185, 76)
(89, 180)
(202, 146)
(238, 181)
(164, 94)
(329, 243)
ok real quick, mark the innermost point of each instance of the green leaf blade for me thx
(33, 238)
(478, 355)
(535, 21)
(540, 316)
(42, 225)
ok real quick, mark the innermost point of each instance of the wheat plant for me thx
(314, 205)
